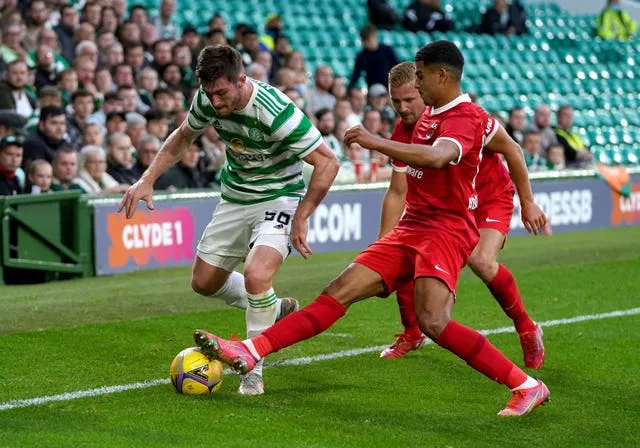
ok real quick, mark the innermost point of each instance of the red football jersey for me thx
(493, 178)
(444, 198)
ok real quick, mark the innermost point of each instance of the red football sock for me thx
(505, 290)
(311, 320)
(407, 310)
(480, 354)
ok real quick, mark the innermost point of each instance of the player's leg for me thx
(411, 338)
(213, 281)
(375, 272)
(493, 221)
(434, 301)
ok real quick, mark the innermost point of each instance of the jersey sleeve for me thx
(295, 132)
(491, 127)
(459, 130)
(201, 112)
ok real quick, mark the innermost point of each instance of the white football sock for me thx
(233, 292)
(261, 314)
(528, 384)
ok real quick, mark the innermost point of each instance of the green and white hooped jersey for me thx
(265, 143)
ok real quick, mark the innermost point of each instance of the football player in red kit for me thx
(430, 244)
(493, 216)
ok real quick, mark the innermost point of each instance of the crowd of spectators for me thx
(90, 91)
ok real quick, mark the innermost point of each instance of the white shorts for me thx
(235, 229)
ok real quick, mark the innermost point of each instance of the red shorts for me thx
(495, 213)
(402, 256)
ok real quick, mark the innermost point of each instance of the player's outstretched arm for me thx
(393, 202)
(533, 217)
(325, 169)
(419, 156)
(171, 151)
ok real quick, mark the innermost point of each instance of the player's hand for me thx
(358, 134)
(299, 230)
(140, 191)
(533, 217)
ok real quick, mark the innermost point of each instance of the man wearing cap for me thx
(273, 28)
(10, 161)
(11, 123)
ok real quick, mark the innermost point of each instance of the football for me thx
(192, 373)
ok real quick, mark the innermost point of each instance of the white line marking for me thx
(336, 335)
(14, 404)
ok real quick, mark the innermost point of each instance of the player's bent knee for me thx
(433, 322)
(257, 280)
(482, 264)
(201, 286)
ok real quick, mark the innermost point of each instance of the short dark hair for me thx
(65, 148)
(564, 107)
(322, 112)
(514, 110)
(131, 45)
(249, 31)
(443, 53)
(153, 115)
(162, 90)
(49, 91)
(50, 111)
(367, 31)
(158, 42)
(80, 94)
(529, 133)
(216, 61)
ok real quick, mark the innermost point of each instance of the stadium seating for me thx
(558, 62)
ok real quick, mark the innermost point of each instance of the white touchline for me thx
(67, 396)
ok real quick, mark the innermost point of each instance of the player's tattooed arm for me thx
(172, 149)
(533, 217)
(325, 169)
(419, 156)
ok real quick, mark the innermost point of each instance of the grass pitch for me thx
(78, 335)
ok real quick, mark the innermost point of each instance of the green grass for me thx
(77, 335)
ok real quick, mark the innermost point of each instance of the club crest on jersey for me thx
(431, 130)
(237, 145)
(256, 135)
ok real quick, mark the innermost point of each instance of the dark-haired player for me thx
(493, 218)
(264, 204)
(430, 244)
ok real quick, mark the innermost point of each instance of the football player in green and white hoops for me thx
(264, 206)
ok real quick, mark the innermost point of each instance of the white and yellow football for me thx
(192, 373)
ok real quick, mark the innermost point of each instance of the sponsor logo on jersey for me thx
(489, 126)
(237, 145)
(256, 135)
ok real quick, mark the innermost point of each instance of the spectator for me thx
(504, 18)
(93, 177)
(614, 23)
(257, 72)
(375, 59)
(88, 49)
(555, 156)
(295, 61)
(191, 39)
(279, 54)
(12, 48)
(161, 55)
(214, 149)
(85, 68)
(326, 123)
(250, 46)
(46, 73)
(85, 31)
(164, 100)
(65, 30)
(92, 13)
(164, 22)
(13, 94)
(382, 15)
(105, 40)
(11, 123)
(138, 15)
(40, 177)
(68, 84)
(532, 145)
(185, 174)
(45, 141)
(320, 95)
(130, 100)
(149, 147)
(109, 20)
(157, 124)
(123, 75)
(516, 124)
(82, 106)
(339, 88)
(542, 124)
(92, 135)
(49, 38)
(48, 96)
(147, 84)
(358, 101)
(184, 59)
(136, 127)
(265, 59)
(134, 57)
(217, 23)
(104, 81)
(273, 28)
(116, 122)
(114, 55)
(129, 32)
(426, 15)
(120, 158)
(65, 170)
(10, 161)
(575, 151)
(343, 112)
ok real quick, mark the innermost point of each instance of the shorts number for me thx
(281, 218)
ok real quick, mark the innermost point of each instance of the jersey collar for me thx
(464, 98)
(252, 98)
